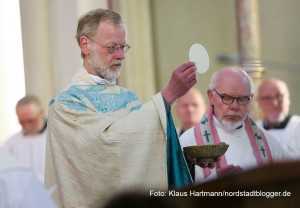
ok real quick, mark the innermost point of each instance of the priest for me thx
(227, 120)
(101, 138)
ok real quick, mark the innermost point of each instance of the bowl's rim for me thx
(199, 146)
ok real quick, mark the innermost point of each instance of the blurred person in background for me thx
(19, 186)
(274, 101)
(189, 109)
(29, 145)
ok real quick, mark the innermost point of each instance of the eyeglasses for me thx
(112, 49)
(270, 99)
(227, 100)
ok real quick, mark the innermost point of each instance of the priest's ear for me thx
(84, 46)
(210, 94)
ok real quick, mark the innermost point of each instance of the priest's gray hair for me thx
(89, 22)
(29, 99)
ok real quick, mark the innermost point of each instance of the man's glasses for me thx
(270, 99)
(112, 49)
(227, 100)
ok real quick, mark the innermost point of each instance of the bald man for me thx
(189, 109)
(226, 120)
(274, 100)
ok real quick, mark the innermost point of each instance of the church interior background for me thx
(45, 54)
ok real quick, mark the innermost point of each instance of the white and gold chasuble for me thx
(96, 136)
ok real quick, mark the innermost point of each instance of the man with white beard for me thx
(226, 120)
(101, 139)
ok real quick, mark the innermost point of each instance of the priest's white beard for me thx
(276, 119)
(228, 125)
(103, 71)
(35, 130)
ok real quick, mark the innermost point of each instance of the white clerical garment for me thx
(240, 151)
(30, 150)
(19, 186)
(294, 143)
(102, 140)
(283, 135)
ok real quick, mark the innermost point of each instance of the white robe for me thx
(99, 143)
(30, 150)
(240, 151)
(19, 186)
(294, 143)
(284, 135)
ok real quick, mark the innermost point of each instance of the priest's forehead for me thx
(273, 86)
(232, 80)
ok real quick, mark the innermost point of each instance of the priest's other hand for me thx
(228, 170)
(210, 165)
